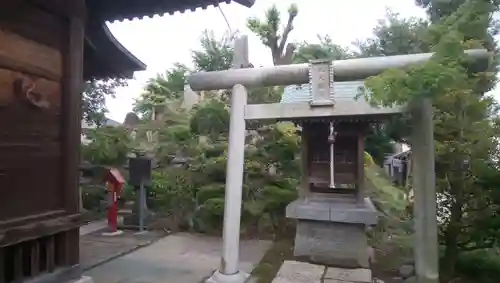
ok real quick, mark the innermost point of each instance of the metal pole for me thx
(345, 70)
(424, 182)
(234, 170)
(332, 155)
(141, 207)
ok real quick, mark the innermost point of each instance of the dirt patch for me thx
(270, 264)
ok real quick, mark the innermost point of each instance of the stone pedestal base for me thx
(332, 243)
(332, 231)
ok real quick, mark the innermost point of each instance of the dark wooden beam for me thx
(35, 258)
(35, 230)
(50, 253)
(18, 264)
(2, 265)
(360, 170)
(71, 106)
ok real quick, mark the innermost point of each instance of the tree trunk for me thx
(451, 241)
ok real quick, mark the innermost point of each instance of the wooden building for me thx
(47, 49)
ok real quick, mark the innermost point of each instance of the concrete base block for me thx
(111, 234)
(332, 230)
(332, 243)
(217, 277)
(334, 210)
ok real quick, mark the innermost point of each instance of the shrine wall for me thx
(31, 68)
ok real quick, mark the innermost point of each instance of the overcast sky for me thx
(162, 41)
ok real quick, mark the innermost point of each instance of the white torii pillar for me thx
(229, 271)
(426, 246)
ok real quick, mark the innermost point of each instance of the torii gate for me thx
(237, 79)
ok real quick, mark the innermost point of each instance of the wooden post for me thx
(71, 110)
(35, 258)
(71, 107)
(304, 187)
(360, 169)
(50, 253)
(422, 146)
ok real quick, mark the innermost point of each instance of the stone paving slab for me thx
(96, 249)
(349, 275)
(300, 272)
(178, 258)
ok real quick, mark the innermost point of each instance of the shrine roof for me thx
(113, 10)
(295, 105)
(104, 55)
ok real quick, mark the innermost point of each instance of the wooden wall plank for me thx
(2, 265)
(18, 264)
(36, 177)
(19, 52)
(35, 258)
(41, 229)
(61, 248)
(33, 23)
(50, 259)
(47, 90)
(73, 252)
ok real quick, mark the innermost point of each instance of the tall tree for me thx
(324, 49)
(395, 35)
(269, 32)
(216, 54)
(94, 98)
(162, 89)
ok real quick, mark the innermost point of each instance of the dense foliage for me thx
(466, 122)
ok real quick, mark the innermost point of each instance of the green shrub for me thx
(107, 146)
(173, 194)
(481, 266)
(209, 191)
(92, 196)
(209, 216)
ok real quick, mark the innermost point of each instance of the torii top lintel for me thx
(345, 70)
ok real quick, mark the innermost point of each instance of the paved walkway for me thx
(96, 248)
(179, 258)
(93, 227)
